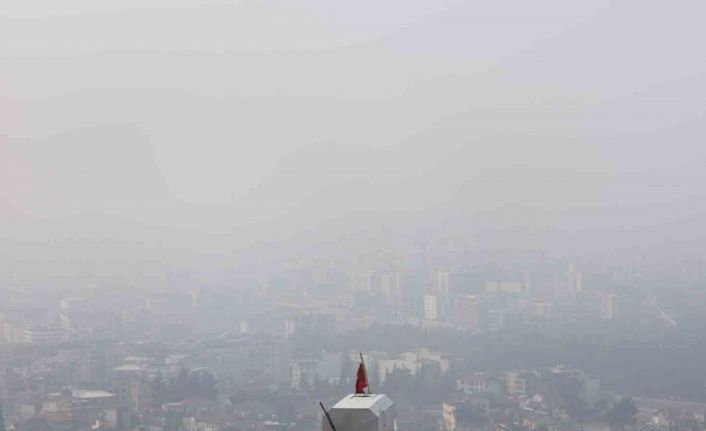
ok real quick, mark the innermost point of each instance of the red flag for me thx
(361, 382)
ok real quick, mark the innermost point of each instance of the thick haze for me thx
(181, 131)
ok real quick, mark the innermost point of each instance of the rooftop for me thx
(374, 403)
(91, 394)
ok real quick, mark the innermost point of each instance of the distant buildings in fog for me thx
(482, 300)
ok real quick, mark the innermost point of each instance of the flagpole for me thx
(328, 416)
(365, 371)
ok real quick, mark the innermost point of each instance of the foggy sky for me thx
(147, 128)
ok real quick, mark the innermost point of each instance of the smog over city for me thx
(236, 215)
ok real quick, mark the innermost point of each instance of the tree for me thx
(621, 414)
(159, 389)
(399, 385)
(187, 385)
(570, 392)
(204, 385)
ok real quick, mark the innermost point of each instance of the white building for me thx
(390, 287)
(412, 362)
(429, 307)
(37, 335)
(361, 412)
(515, 383)
(473, 383)
(360, 281)
(289, 327)
(244, 327)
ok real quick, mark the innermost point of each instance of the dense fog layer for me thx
(202, 125)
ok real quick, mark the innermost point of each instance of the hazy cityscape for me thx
(540, 344)
(226, 215)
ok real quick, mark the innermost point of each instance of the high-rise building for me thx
(429, 307)
(390, 287)
(495, 320)
(313, 325)
(575, 281)
(43, 335)
(609, 306)
(289, 327)
(466, 312)
(511, 287)
(442, 282)
(244, 327)
(261, 360)
(360, 281)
